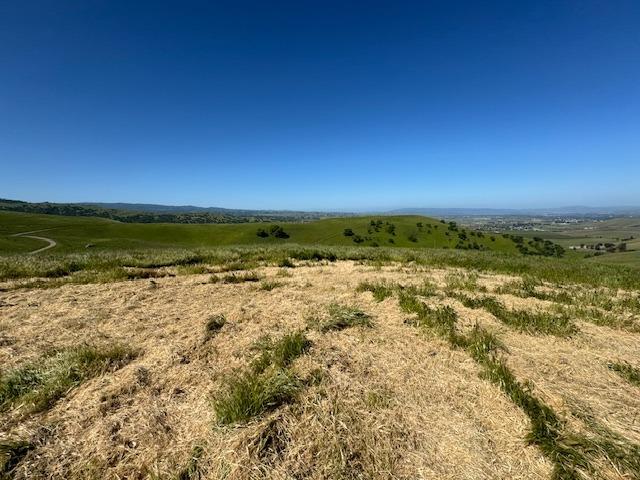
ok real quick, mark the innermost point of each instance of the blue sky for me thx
(321, 105)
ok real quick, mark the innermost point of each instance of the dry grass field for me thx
(323, 370)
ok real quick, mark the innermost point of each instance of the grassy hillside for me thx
(147, 213)
(73, 234)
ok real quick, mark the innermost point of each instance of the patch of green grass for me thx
(197, 269)
(96, 263)
(463, 281)
(40, 384)
(286, 263)
(383, 289)
(251, 394)
(281, 353)
(340, 317)
(270, 285)
(241, 277)
(630, 373)
(214, 325)
(11, 454)
(380, 290)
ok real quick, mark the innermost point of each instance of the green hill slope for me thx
(74, 234)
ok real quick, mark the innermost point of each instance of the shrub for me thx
(348, 232)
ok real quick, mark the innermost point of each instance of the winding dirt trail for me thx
(51, 243)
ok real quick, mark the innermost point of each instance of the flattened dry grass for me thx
(339, 317)
(526, 321)
(38, 385)
(627, 371)
(11, 454)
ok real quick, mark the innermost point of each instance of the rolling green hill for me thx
(75, 234)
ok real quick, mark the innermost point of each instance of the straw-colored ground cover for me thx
(325, 370)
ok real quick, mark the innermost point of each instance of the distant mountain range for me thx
(468, 212)
(154, 213)
(150, 213)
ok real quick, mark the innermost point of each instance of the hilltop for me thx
(152, 213)
(76, 234)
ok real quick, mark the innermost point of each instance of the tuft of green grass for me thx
(281, 353)
(340, 317)
(251, 394)
(380, 290)
(463, 281)
(11, 454)
(40, 384)
(214, 325)
(241, 277)
(267, 285)
(286, 263)
(626, 371)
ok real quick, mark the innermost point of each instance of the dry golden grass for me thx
(387, 401)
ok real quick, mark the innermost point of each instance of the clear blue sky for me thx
(321, 105)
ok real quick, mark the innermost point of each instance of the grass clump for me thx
(40, 384)
(241, 277)
(270, 285)
(380, 290)
(626, 371)
(251, 394)
(463, 281)
(281, 353)
(286, 263)
(340, 317)
(214, 325)
(268, 384)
